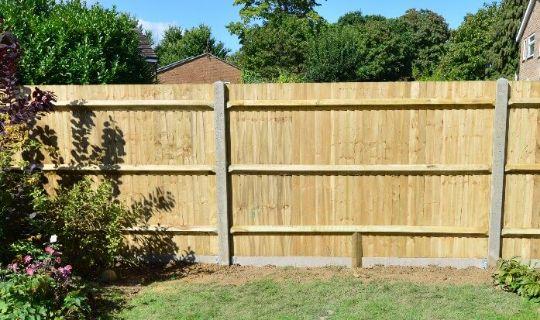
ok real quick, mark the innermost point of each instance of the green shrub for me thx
(21, 192)
(89, 222)
(72, 42)
(516, 277)
(36, 285)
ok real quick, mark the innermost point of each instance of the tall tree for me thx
(505, 48)
(277, 48)
(385, 49)
(356, 18)
(429, 34)
(274, 35)
(333, 55)
(267, 9)
(377, 50)
(178, 45)
(69, 42)
(469, 53)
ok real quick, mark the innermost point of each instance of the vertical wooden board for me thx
(372, 246)
(292, 245)
(386, 200)
(167, 200)
(423, 247)
(350, 139)
(163, 243)
(130, 129)
(524, 124)
(522, 136)
(521, 208)
(389, 141)
(523, 248)
(128, 137)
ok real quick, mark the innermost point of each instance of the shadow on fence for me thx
(143, 242)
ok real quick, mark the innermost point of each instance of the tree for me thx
(68, 42)
(505, 48)
(277, 48)
(356, 18)
(274, 35)
(378, 50)
(385, 50)
(334, 55)
(177, 45)
(267, 9)
(429, 34)
(469, 53)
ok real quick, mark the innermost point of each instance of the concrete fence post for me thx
(500, 137)
(222, 179)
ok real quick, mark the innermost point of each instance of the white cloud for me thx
(157, 28)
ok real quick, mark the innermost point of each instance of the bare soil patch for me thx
(238, 275)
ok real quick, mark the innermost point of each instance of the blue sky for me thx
(158, 14)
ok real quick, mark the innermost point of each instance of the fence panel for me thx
(405, 164)
(318, 174)
(522, 202)
(156, 143)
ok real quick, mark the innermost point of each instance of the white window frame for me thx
(530, 47)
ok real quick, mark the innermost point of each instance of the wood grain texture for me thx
(372, 246)
(428, 103)
(366, 229)
(522, 195)
(367, 136)
(309, 157)
(155, 142)
(329, 156)
(404, 169)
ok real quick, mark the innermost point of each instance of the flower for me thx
(65, 272)
(30, 270)
(49, 250)
(27, 259)
(13, 267)
(58, 260)
(53, 239)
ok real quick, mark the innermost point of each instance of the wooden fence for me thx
(416, 173)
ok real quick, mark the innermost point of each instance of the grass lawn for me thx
(337, 296)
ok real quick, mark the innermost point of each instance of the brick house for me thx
(205, 68)
(529, 31)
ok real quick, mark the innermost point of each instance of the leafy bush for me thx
(516, 277)
(334, 55)
(20, 190)
(88, 220)
(37, 285)
(71, 42)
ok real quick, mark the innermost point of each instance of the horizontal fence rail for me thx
(357, 174)
(407, 230)
(130, 168)
(109, 104)
(369, 103)
(360, 169)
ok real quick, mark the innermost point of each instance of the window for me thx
(530, 46)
